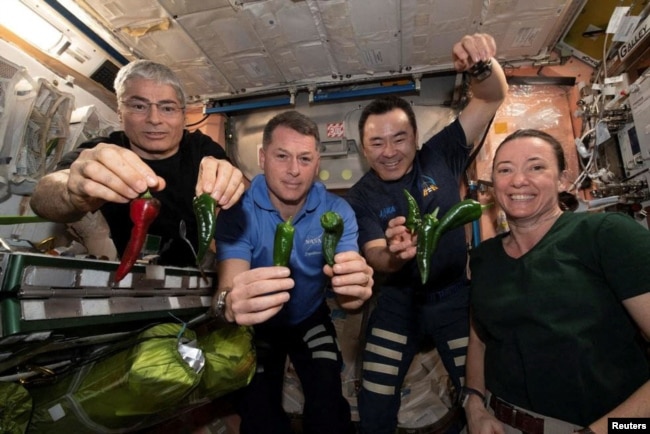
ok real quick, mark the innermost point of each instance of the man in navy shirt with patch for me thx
(407, 312)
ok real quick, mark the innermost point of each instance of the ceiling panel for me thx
(228, 48)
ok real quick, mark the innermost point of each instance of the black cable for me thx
(474, 154)
(198, 122)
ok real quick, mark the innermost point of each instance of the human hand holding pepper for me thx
(401, 241)
(223, 181)
(258, 294)
(351, 279)
(109, 173)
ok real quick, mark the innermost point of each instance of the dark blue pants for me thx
(313, 351)
(397, 328)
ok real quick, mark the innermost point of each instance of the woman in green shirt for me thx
(557, 306)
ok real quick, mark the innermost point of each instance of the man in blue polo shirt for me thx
(287, 305)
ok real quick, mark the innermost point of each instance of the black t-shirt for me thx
(180, 172)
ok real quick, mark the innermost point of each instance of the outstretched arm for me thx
(488, 94)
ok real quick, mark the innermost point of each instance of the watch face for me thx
(221, 303)
(483, 75)
(481, 70)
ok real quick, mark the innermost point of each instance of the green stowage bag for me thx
(15, 408)
(118, 392)
(230, 360)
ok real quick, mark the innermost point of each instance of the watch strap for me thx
(220, 304)
(466, 392)
(481, 70)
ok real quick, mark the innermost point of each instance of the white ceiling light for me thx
(30, 26)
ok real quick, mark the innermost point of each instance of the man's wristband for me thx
(465, 393)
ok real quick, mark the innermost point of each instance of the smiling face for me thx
(153, 135)
(389, 144)
(290, 162)
(527, 179)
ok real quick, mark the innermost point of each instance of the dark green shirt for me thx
(557, 338)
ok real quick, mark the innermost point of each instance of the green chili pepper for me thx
(461, 213)
(426, 247)
(205, 208)
(283, 243)
(413, 219)
(332, 223)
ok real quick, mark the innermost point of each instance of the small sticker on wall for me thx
(335, 129)
(500, 127)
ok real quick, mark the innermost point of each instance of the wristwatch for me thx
(466, 392)
(481, 70)
(220, 305)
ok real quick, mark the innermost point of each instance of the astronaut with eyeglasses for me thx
(152, 152)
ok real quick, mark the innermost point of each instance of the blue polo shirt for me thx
(247, 231)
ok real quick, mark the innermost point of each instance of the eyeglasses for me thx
(168, 109)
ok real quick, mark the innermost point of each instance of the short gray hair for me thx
(148, 70)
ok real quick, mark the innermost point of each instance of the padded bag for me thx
(230, 360)
(116, 393)
(15, 408)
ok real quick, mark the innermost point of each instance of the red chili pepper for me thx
(143, 211)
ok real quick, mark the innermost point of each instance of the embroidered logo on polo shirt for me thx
(312, 245)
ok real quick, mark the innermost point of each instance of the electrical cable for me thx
(199, 122)
(583, 174)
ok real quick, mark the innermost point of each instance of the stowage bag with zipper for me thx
(117, 393)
